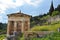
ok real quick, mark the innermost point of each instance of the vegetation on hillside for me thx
(42, 19)
(58, 8)
(54, 13)
(52, 27)
(3, 26)
(2, 36)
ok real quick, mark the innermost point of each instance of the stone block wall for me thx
(36, 34)
(54, 19)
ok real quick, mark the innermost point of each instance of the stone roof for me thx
(19, 13)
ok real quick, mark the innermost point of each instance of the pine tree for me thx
(51, 9)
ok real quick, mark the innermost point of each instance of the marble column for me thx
(22, 26)
(15, 26)
(28, 25)
(8, 28)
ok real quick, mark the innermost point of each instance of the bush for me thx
(44, 29)
(2, 36)
(54, 13)
(54, 36)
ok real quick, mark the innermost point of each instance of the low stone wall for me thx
(36, 33)
(54, 19)
(30, 34)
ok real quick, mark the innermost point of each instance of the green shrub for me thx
(2, 36)
(44, 29)
(54, 13)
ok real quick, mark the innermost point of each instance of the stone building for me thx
(18, 22)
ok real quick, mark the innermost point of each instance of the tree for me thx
(55, 13)
(45, 15)
(58, 8)
(51, 8)
(1, 25)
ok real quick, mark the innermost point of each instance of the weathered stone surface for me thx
(18, 22)
(54, 19)
(36, 33)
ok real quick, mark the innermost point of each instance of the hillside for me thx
(51, 27)
(41, 20)
(47, 22)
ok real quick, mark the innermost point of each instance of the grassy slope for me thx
(52, 27)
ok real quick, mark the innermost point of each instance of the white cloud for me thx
(12, 3)
(2, 8)
(33, 2)
(0, 18)
(6, 4)
(3, 18)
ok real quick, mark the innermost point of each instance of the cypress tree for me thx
(51, 9)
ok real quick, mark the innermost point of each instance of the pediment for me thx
(18, 15)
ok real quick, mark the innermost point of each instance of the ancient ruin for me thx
(18, 22)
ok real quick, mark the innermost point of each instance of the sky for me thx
(30, 7)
